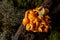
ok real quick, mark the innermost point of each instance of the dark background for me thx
(12, 13)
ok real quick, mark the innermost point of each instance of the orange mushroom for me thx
(35, 20)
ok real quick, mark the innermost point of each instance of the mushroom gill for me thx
(36, 20)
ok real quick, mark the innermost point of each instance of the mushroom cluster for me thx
(36, 20)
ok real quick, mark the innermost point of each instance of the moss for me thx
(54, 36)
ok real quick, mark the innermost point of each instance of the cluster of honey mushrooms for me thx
(37, 20)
